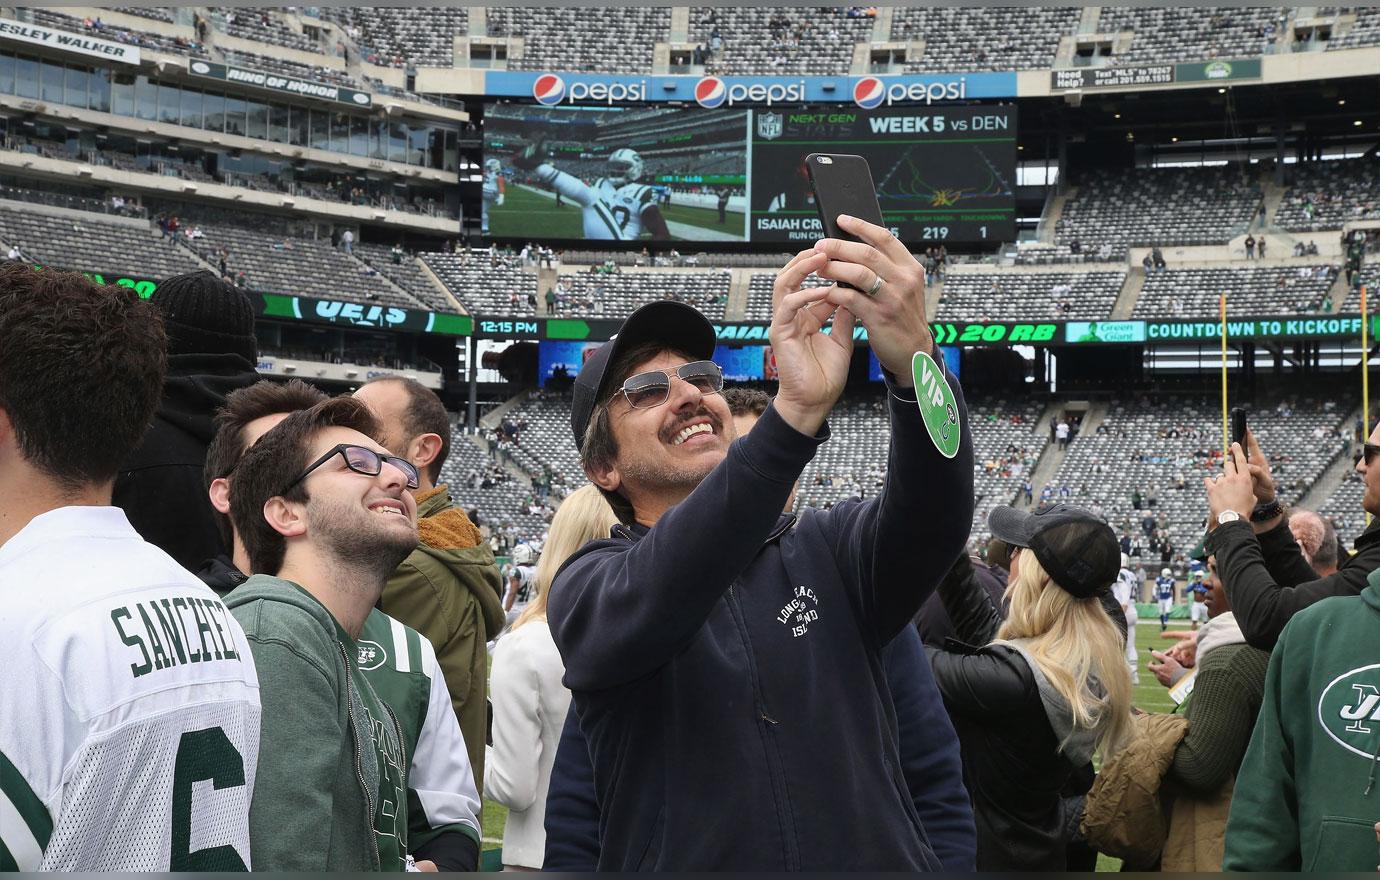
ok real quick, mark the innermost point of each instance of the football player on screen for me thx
(493, 191)
(615, 207)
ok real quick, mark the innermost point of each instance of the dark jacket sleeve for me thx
(975, 617)
(896, 547)
(930, 757)
(572, 810)
(984, 684)
(1261, 604)
(610, 628)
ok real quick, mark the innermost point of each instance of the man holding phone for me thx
(714, 638)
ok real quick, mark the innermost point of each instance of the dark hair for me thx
(242, 406)
(746, 401)
(81, 371)
(600, 449)
(425, 414)
(276, 460)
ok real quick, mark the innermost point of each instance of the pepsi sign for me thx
(870, 92)
(550, 89)
(711, 92)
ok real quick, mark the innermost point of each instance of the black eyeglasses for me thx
(364, 461)
(646, 390)
(1368, 452)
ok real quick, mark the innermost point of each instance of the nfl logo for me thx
(769, 126)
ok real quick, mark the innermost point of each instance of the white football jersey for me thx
(129, 716)
(611, 212)
(491, 190)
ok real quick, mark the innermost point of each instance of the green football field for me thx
(1150, 696)
(526, 214)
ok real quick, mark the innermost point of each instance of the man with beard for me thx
(326, 511)
(713, 637)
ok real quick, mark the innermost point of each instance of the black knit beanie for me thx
(205, 315)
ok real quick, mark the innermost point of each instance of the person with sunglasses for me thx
(1267, 578)
(715, 641)
(324, 515)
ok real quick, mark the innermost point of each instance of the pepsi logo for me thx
(710, 92)
(868, 92)
(548, 89)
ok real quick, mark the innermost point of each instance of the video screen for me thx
(953, 359)
(747, 363)
(943, 174)
(561, 361)
(614, 173)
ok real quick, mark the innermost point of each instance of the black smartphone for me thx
(842, 184)
(1238, 427)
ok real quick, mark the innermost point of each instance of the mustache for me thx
(669, 433)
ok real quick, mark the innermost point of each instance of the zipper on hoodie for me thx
(359, 754)
(765, 724)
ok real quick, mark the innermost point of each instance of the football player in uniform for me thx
(494, 189)
(1164, 593)
(443, 803)
(615, 207)
(129, 708)
(1127, 592)
(521, 580)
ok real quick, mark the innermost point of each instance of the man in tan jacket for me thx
(448, 589)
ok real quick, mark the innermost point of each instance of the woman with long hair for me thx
(1034, 697)
(529, 701)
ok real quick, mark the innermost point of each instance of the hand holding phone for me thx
(842, 184)
(1238, 428)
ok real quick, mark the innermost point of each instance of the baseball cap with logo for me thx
(1077, 548)
(673, 324)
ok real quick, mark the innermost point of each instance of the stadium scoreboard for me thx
(943, 174)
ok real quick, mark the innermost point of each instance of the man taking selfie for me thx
(714, 638)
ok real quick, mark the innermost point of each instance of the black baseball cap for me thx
(1077, 548)
(673, 324)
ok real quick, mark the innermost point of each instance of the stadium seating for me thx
(90, 244)
(1188, 33)
(283, 263)
(1149, 444)
(402, 36)
(1158, 206)
(1250, 290)
(1326, 195)
(775, 40)
(154, 13)
(616, 296)
(261, 26)
(759, 294)
(142, 39)
(408, 275)
(1369, 277)
(1364, 32)
(1344, 508)
(1005, 296)
(485, 284)
(591, 39)
(479, 482)
(983, 38)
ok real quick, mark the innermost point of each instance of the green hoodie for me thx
(1308, 794)
(448, 590)
(330, 791)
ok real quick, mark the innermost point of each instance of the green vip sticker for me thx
(937, 405)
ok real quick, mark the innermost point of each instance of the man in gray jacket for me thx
(326, 509)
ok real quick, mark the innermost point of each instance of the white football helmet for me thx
(625, 166)
(1164, 572)
(493, 166)
(523, 555)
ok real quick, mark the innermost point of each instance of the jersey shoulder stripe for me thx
(645, 194)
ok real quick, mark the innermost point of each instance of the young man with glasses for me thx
(400, 664)
(325, 516)
(1267, 578)
(714, 641)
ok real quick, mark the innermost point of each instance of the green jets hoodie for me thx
(330, 792)
(1308, 794)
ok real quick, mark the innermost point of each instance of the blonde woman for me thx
(529, 700)
(1035, 703)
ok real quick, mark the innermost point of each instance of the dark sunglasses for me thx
(646, 390)
(1368, 452)
(364, 461)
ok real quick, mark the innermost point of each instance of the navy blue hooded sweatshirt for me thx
(929, 757)
(725, 665)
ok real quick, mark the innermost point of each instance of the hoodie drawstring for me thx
(1370, 783)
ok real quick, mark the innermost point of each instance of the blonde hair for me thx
(1074, 642)
(583, 516)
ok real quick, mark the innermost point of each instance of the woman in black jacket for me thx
(1047, 689)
